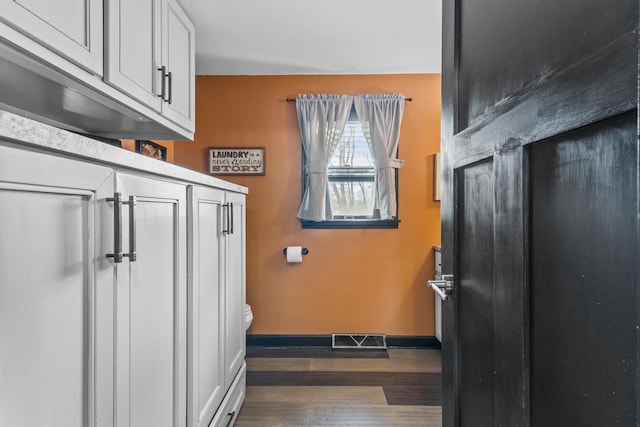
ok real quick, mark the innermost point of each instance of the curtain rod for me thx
(294, 100)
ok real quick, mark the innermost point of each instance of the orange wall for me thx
(360, 281)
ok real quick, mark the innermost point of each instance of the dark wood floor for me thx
(321, 387)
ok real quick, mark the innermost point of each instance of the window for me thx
(350, 163)
(351, 183)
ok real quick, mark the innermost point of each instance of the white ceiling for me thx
(270, 37)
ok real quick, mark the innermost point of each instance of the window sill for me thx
(346, 224)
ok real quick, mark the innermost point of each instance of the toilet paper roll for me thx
(294, 254)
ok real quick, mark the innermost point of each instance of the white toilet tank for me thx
(248, 316)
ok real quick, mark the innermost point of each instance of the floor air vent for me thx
(353, 341)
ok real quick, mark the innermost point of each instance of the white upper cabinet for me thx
(120, 69)
(134, 53)
(151, 56)
(72, 28)
(178, 47)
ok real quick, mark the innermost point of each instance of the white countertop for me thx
(24, 131)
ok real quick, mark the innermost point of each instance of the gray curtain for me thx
(380, 117)
(321, 119)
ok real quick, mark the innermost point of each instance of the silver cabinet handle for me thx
(132, 255)
(228, 225)
(170, 84)
(442, 287)
(117, 228)
(230, 415)
(225, 218)
(163, 72)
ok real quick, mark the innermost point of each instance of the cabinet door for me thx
(178, 47)
(235, 342)
(72, 28)
(49, 332)
(151, 306)
(133, 53)
(206, 368)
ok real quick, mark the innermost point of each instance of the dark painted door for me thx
(540, 213)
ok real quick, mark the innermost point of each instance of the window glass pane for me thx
(352, 175)
(352, 150)
(352, 199)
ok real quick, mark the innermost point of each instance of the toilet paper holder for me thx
(304, 251)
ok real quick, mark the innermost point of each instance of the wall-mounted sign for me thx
(236, 161)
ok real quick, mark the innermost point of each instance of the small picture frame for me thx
(151, 149)
(237, 161)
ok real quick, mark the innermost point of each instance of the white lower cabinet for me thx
(206, 320)
(95, 311)
(235, 287)
(230, 407)
(49, 357)
(151, 304)
(216, 300)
